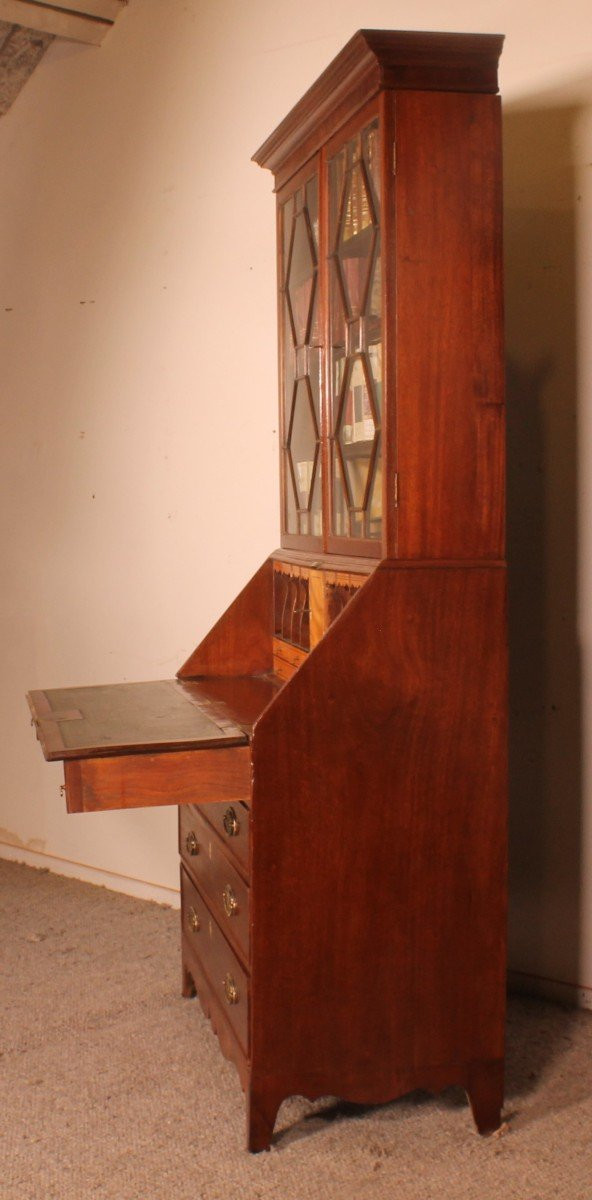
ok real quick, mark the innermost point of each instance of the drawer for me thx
(210, 867)
(231, 822)
(204, 941)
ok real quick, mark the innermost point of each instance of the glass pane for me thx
(291, 512)
(356, 335)
(340, 501)
(356, 460)
(372, 161)
(314, 368)
(338, 313)
(358, 211)
(357, 525)
(336, 194)
(353, 150)
(375, 297)
(356, 415)
(315, 325)
(356, 242)
(302, 368)
(312, 204)
(301, 277)
(316, 507)
(287, 212)
(338, 324)
(303, 441)
(289, 367)
(375, 360)
(374, 508)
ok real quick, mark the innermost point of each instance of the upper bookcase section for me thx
(372, 61)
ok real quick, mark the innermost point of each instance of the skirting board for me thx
(108, 879)
(573, 995)
(570, 994)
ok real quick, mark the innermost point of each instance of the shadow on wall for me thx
(545, 690)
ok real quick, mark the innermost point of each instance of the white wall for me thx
(138, 389)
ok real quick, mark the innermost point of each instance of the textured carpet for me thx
(112, 1086)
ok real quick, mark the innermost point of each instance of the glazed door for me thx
(300, 360)
(355, 341)
(331, 346)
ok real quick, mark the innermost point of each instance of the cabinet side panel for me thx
(379, 843)
(450, 415)
(240, 643)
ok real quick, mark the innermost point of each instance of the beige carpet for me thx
(112, 1086)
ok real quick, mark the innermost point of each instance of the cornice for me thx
(378, 59)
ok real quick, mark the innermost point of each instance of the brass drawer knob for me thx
(230, 989)
(192, 843)
(231, 823)
(229, 901)
(193, 920)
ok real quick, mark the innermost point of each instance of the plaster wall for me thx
(138, 442)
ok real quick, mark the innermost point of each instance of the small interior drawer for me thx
(216, 876)
(227, 977)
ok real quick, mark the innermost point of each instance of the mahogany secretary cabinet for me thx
(337, 743)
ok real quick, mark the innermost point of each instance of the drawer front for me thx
(231, 822)
(228, 980)
(216, 876)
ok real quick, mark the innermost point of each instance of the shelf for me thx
(360, 449)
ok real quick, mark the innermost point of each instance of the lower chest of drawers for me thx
(215, 917)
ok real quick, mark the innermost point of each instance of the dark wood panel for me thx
(194, 978)
(145, 780)
(113, 719)
(332, 562)
(483, 1083)
(450, 387)
(206, 859)
(232, 824)
(240, 642)
(386, 857)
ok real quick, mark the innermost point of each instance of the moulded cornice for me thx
(378, 59)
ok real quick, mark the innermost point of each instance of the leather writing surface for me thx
(110, 719)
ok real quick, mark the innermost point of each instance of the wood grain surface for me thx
(379, 847)
(208, 945)
(210, 867)
(235, 699)
(371, 60)
(232, 824)
(449, 353)
(145, 780)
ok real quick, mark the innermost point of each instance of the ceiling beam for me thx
(20, 51)
(107, 9)
(78, 20)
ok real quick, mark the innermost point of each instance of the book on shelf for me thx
(363, 424)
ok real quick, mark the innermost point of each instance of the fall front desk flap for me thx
(128, 718)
